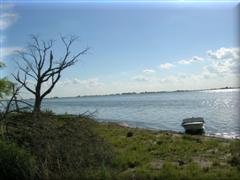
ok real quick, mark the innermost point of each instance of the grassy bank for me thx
(70, 147)
(145, 154)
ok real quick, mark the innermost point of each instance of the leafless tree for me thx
(39, 65)
(12, 104)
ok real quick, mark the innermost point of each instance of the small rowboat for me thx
(193, 124)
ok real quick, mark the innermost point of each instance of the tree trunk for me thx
(37, 107)
(16, 104)
(38, 101)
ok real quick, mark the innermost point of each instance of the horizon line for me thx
(142, 92)
(119, 1)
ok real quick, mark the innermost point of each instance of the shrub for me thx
(65, 146)
(16, 163)
(235, 155)
(129, 134)
(48, 112)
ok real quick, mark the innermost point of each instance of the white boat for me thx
(193, 124)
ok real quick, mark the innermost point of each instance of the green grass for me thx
(166, 155)
(71, 147)
(15, 162)
(65, 147)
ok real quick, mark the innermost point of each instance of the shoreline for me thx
(125, 151)
(124, 124)
(213, 135)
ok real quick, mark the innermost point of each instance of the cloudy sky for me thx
(133, 46)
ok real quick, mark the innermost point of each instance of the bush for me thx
(129, 134)
(235, 154)
(65, 147)
(15, 163)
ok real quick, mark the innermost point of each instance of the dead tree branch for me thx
(38, 65)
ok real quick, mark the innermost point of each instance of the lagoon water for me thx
(161, 111)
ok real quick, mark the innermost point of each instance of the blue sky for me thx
(134, 46)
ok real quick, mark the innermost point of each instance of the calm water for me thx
(163, 111)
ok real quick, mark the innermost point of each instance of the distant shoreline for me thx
(146, 92)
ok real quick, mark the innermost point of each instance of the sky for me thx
(134, 46)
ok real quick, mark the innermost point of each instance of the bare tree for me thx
(11, 104)
(40, 66)
(6, 105)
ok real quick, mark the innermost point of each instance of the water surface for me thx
(161, 111)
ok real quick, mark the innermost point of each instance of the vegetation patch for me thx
(168, 155)
(15, 162)
(77, 147)
(65, 147)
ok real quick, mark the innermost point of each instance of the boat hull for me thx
(193, 126)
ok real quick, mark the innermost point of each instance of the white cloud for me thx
(225, 61)
(92, 82)
(166, 66)
(224, 53)
(4, 52)
(219, 72)
(77, 86)
(7, 19)
(146, 75)
(141, 78)
(190, 61)
(9, 50)
(148, 71)
(7, 16)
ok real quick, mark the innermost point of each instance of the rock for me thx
(129, 134)
(132, 164)
(180, 162)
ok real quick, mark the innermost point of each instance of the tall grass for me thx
(15, 162)
(65, 147)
